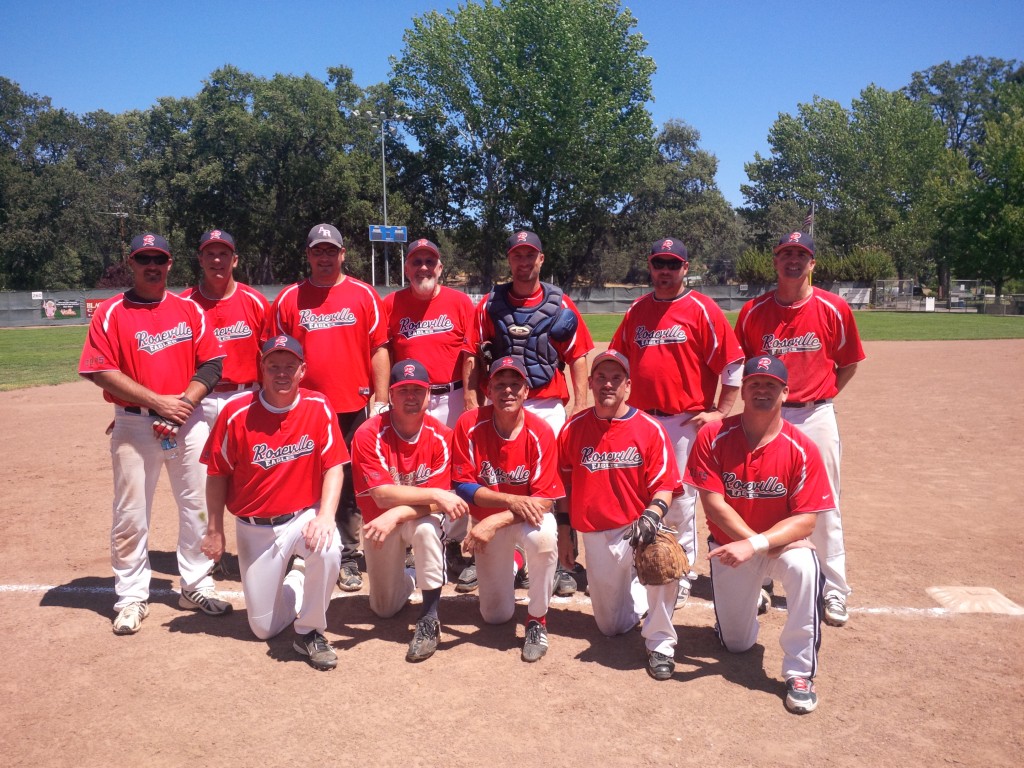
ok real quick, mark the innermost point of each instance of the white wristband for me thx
(759, 542)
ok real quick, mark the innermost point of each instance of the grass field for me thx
(32, 357)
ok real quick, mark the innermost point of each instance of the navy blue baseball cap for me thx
(284, 343)
(508, 363)
(797, 239)
(216, 236)
(523, 237)
(149, 241)
(670, 246)
(409, 372)
(766, 365)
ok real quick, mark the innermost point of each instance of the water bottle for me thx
(170, 446)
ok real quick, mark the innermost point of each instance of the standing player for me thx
(275, 460)
(762, 485)
(620, 475)
(813, 332)
(679, 346)
(504, 465)
(432, 323)
(155, 358)
(402, 467)
(237, 315)
(537, 323)
(339, 321)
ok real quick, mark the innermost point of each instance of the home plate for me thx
(974, 600)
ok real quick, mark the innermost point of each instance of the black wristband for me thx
(660, 505)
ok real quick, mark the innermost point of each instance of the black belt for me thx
(138, 411)
(268, 520)
(804, 405)
(444, 389)
(656, 412)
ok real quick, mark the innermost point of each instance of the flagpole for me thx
(811, 231)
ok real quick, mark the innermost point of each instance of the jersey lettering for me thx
(265, 456)
(312, 321)
(646, 338)
(596, 461)
(155, 342)
(769, 488)
(410, 328)
(238, 330)
(492, 475)
(418, 476)
(808, 342)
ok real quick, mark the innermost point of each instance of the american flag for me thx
(809, 219)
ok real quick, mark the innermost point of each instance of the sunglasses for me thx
(673, 264)
(145, 259)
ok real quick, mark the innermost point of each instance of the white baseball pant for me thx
(390, 584)
(497, 579)
(682, 512)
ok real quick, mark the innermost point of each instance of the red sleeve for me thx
(216, 451)
(546, 483)
(379, 323)
(368, 470)
(463, 467)
(703, 469)
(662, 468)
(811, 493)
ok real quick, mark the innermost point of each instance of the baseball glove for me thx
(660, 562)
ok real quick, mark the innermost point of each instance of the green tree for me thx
(532, 113)
(756, 266)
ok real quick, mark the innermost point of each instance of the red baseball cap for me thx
(423, 245)
(616, 357)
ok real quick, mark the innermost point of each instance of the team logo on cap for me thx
(215, 233)
(764, 364)
(324, 231)
(507, 361)
(666, 244)
(149, 240)
(420, 243)
(409, 371)
(521, 237)
(795, 237)
(281, 341)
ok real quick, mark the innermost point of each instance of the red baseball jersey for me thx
(527, 465)
(612, 468)
(786, 477)
(380, 456)
(568, 351)
(274, 459)
(813, 338)
(435, 332)
(339, 328)
(157, 344)
(677, 349)
(238, 323)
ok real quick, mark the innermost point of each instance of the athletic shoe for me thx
(317, 650)
(467, 579)
(682, 596)
(764, 602)
(536, 644)
(800, 695)
(205, 600)
(222, 568)
(410, 559)
(836, 614)
(455, 559)
(129, 619)
(349, 578)
(424, 641)
(660, 666)
(564, 584)
(522, 576)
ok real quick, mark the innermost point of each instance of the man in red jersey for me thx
(763, 485)
(813, 332)
(155, 358)
(537, 323)
(504, 465)
(402, 467)
(620, 475)
(339, 321)
(433, 324)
(680, 348)
(275, 460)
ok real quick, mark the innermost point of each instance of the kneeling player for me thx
(504, 465)
(402, 473)
(762, 483)
(275, 460)
(620, 474)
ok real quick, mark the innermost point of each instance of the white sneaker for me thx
(836, 614)
(682, 596)
(764, 602)
(206, 600)
(129, 620)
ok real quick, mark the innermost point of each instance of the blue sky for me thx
(727, 68)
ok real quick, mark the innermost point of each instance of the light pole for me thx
(384, 119)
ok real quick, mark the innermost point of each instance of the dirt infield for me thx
(934, 453)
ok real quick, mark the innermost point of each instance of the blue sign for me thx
(382, 234)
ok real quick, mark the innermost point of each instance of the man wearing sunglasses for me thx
(679, 346)
(155, 357)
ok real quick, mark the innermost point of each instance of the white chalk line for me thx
(576, 599)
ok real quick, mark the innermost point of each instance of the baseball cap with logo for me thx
(148, 241)
(508, 363)
(766, 365)
(216, 236)
(423, 245)
(409, 372)
(282, 343)
(523, 237)
(670, 246)
(616, 357)
(798, 239)
(324, 233)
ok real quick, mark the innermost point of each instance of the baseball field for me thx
(932, 495)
